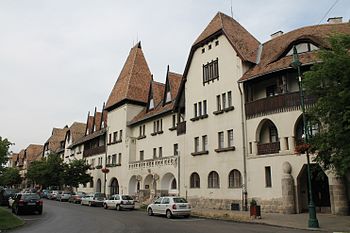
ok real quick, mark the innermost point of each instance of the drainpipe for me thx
(245, 193)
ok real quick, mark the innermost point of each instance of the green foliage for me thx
(75, 173)
(8, 220)
(329, 81)
(10, 176)
(4, 150)
(37, 172)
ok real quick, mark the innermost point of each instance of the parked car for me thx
(27, 202)
(44, 193)
(53, 194)
(170, 206)
(93, 199)
(76, 197)
(119, 202)
(64, 196)
(5, 194)
(12, 199)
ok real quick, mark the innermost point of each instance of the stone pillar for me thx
(255, 148)
(288, 194)
(339, 202)
(291, 142)
(283, 144)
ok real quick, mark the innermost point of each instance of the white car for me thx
(170, 206)
(119, 202)
(12, 199)
(93, 199)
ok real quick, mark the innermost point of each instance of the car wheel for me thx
(90, 204)
(150, 212)
(118, 207)
(105, 206)
(168, 214)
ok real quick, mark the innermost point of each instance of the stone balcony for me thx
(158, 162)
(94, 151)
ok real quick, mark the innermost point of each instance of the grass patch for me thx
(8, 220)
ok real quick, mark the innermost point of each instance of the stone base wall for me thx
(218, 204)
(274, 205)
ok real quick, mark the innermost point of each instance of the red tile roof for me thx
(34, 152)
(272, 56)
(77, 130)
(133, 81)
(174, 81)
(54, 141)
(241, 40)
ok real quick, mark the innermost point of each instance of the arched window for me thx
(91, 183)
(194, 180)
(173, 184)
(213, 180)
(234, 179)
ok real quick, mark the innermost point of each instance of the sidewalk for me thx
(328, 222)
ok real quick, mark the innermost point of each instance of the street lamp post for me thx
(313, 222)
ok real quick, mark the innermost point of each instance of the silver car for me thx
(119, 202)
(93, 199)
(170, 206)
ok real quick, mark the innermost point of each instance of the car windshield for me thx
(127, 197)
(99, 195)
(27, 197)
(179, 200)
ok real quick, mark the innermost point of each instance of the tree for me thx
(54, 171)
(329, 81)
(75, 173)
(4, 150)
(37, 172)
(10, 176)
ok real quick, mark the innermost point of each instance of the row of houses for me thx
(220, 134)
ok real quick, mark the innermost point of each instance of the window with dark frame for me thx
(160, 152)
(120, 158)
(204, 107)
(211, 71)
(174, 121)
(194, 180)
(223, 100)
(230, 137)
(229, 99)
(268, 181)
(196, 144)
(221, 140)
(142, 154)
(120, 135)
(195, 110)
(213, 180)
(176, 149)
(154, 153)
(235, 179)
(204, 143)
(218, 103)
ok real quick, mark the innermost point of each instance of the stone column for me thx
(255, 148)
(291, 142)
(288, 194)
(339, 202)
(283, 144)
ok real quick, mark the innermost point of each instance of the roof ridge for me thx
(137, 46)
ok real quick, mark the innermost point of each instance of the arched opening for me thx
(168, 184)
(213, 180)
(234, 179)
(320, 189)
(194, 180)
(91, 183)
(98, 185)
(133, 186)
(268, 139)
(313, 127)
(114, 188)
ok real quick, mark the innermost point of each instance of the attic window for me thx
(151, 104)
(216, 43)
(94, 129)
(203, 50)
(103, 124)
(303, 48)
(168, 97)
(209, 47)
(87, 131)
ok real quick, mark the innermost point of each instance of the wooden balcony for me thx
(275, 104)
(158, 162)
(181, 128)
(94, 151)
(268, 148)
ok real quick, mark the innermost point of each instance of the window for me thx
(230, 137)
(142, 129)
(160, 152)
(210, 71)
(213, 180)
(203, 50)
(120, 158)
(120, 135)
(303, 47)
(268, 182)
(173, 184)
(216, 43)
(221, 140)
(109, 159)
(229, 99)
(200, 108)
(142, 155)
(154, 127)
(195, 110)
(154, 153)
(176, 149)
(218, 103)
(168, 97)
(115, 136)
(224, 100)
(204, 143)
(194, 180)
(91, 183)
(151, 104)
(209, 47)
(114, 159)
(110, 138)
(234, 179)
(271, 90)
(196, 144)
(174, 121)
(204, 107)
(273, 133)
(165, 200)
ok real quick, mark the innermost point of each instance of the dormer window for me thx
(151, 104)
(87, 131)
(94, 129)
(303, 48)
(103, 124)
(168, 97)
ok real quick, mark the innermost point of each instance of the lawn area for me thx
(8, 220)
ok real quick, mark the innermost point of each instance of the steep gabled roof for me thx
(76, 131)
(159, 108)
(54, 141)
(242, 41)
(133, 81)
(89, 124)
(272, 56)
(33, 152)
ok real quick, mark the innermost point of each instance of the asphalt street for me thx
(72, 218)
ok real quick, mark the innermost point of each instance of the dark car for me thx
(27, 202)
(5, 194)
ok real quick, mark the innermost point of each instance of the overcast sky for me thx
(60, 59)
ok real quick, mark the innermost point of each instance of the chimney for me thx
(276, 34)
(335, 20)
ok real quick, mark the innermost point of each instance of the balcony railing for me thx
(275, 104)
(149, 163)
(181, 128)
(94, 151)
(268, 148)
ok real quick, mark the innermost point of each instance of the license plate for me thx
(31, 203)
(182, 206)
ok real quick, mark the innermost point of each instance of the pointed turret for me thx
(133, 82)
